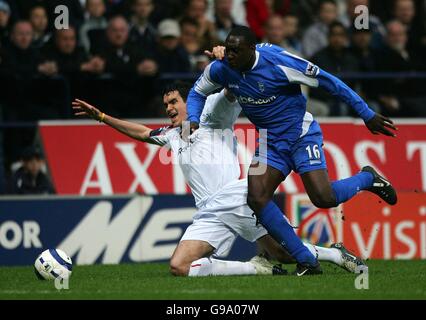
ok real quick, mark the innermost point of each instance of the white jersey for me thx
(209, 159)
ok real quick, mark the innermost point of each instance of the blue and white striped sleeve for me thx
(301, 71)
(206, 84)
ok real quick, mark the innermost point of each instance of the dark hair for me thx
(183, 87)
(246, 33)
(31, 152)
(188, 20)
(336, 24)
(37, 6)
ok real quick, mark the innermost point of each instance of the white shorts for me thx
(222, 228)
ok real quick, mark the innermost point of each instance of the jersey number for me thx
(313, 152)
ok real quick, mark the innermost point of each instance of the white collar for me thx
(257, 60)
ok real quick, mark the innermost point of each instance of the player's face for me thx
(239, 53)
(175, 108)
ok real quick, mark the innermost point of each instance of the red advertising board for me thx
(366, 225)
(89, 158)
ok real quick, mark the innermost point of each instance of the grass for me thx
(387, 280)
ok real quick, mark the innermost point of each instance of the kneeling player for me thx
(210, 165)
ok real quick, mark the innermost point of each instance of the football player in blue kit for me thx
(267, 83)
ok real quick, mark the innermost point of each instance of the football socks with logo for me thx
(280, 229)
(347, 188)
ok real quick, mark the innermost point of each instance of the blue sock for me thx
(273, 220)
(348, 188)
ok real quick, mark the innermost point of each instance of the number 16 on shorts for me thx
(314, 154)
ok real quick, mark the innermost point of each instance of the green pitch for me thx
(387, 280)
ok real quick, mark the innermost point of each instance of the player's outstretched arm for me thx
(133, 130)
(375, 122)
(301, 71)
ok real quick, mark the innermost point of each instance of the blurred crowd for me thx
(118, 54)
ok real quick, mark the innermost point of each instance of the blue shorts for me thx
(306, 154)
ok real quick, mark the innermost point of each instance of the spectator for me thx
(192, 44)
(166, 9)
(335, 58)
(94, 24)
(405, 12)
(258, 12)
(282, 31)
(399, 96)
(362, 49)
(4, 22)
(132, 72)
(291, 30)
(38, 19)
(34, 97)
(75, 10)
(316, 36)
(19, 58)
(142, 32)
(196, 9)
(238, 11)
(306, 11)
(223, 18)
(30, 179)
(120, 56)
(375, 25)
(274, 30)
(65, 54)
(171, 55)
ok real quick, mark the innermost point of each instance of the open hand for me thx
(82, 108)
(381, 125)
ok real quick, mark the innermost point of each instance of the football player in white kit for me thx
(209, 162)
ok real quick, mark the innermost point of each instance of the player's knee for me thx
(257, 201)
(178, 268)
(323, 200)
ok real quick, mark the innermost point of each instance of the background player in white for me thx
(210, 165)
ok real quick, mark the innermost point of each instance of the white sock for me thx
(325, 254)
(212, 267)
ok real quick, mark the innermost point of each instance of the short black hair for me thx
(183, 87)
(246, 33)
(336, 24)
(31, 152)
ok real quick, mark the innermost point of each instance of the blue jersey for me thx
(270, 93)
